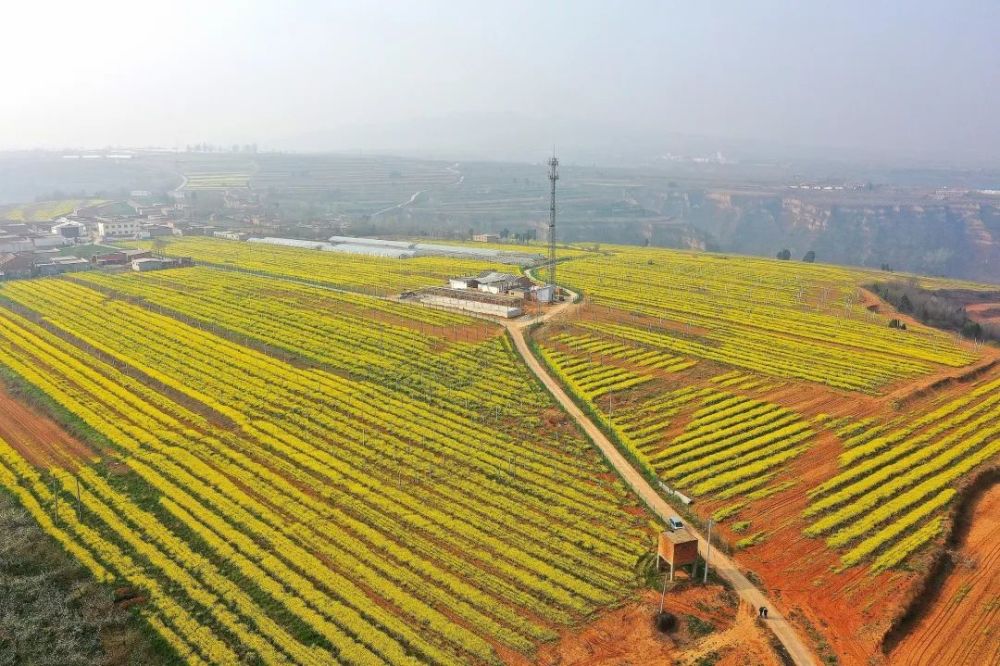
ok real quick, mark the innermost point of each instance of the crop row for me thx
(777, 356)
(647, 358)
(346, 271)
(593, 380)
(764, 298)
(363, 448)
(900, 479)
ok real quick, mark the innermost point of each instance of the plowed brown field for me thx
(963, 625)
(37, 437)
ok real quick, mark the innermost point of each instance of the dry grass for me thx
(51, 612)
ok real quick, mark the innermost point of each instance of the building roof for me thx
(68, 223)
(17, 262)
(493, 277)
(69, 260)
(679, 536)
(371, 250)
(352, 240)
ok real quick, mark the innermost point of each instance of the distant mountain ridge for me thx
(952, 239)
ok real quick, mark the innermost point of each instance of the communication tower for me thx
(553, 177)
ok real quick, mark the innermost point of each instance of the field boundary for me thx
(943, 563)
(724, 566)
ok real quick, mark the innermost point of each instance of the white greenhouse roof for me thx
(351, 240)
(289, 242)
(370, 250)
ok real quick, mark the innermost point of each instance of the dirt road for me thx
(723, 566)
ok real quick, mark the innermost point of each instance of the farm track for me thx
(724, 566)
(200, 408)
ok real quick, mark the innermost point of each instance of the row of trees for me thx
(933, 309)
(513, 236)
(211, 148)
(786, 254)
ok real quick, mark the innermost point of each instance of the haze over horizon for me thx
(893, 81)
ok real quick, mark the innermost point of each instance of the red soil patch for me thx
(986, 313)
(126, 597)
(740, 645)
(851, 609)
(38, 438)
(627, 635)
(963, 626)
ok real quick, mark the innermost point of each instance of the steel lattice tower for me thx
(553, 177)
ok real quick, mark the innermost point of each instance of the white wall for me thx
(507, 311)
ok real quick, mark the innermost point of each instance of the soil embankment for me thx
(958, 621)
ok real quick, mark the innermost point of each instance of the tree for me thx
(504, 233)
(810, 257)
(785, 254)
(971, 329)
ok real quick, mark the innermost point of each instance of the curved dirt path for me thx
(722, 564)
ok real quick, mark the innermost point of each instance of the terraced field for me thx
(888, 497)
(829, 446)
(45, 211)
(344, 484)
(216, 180)
(757, 325)
(800, 321)
(292, 469)
(343, 271)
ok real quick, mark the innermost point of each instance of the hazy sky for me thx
(920, 78)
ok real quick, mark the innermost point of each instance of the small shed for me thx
(463, 283)
(69, 229)
(676, 548)
(498, 283)
(147, 264)
(544, 293)
(72, 264)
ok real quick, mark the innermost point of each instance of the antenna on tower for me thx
(553, 177)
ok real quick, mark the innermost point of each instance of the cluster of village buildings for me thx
(85, 240)
(34, 249)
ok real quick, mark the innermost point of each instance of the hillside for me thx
(957, 239)
(935, 222)
(289, 465)
(828, 447)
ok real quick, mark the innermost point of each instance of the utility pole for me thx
(708, 550)
(79, 504)
(553, 177)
